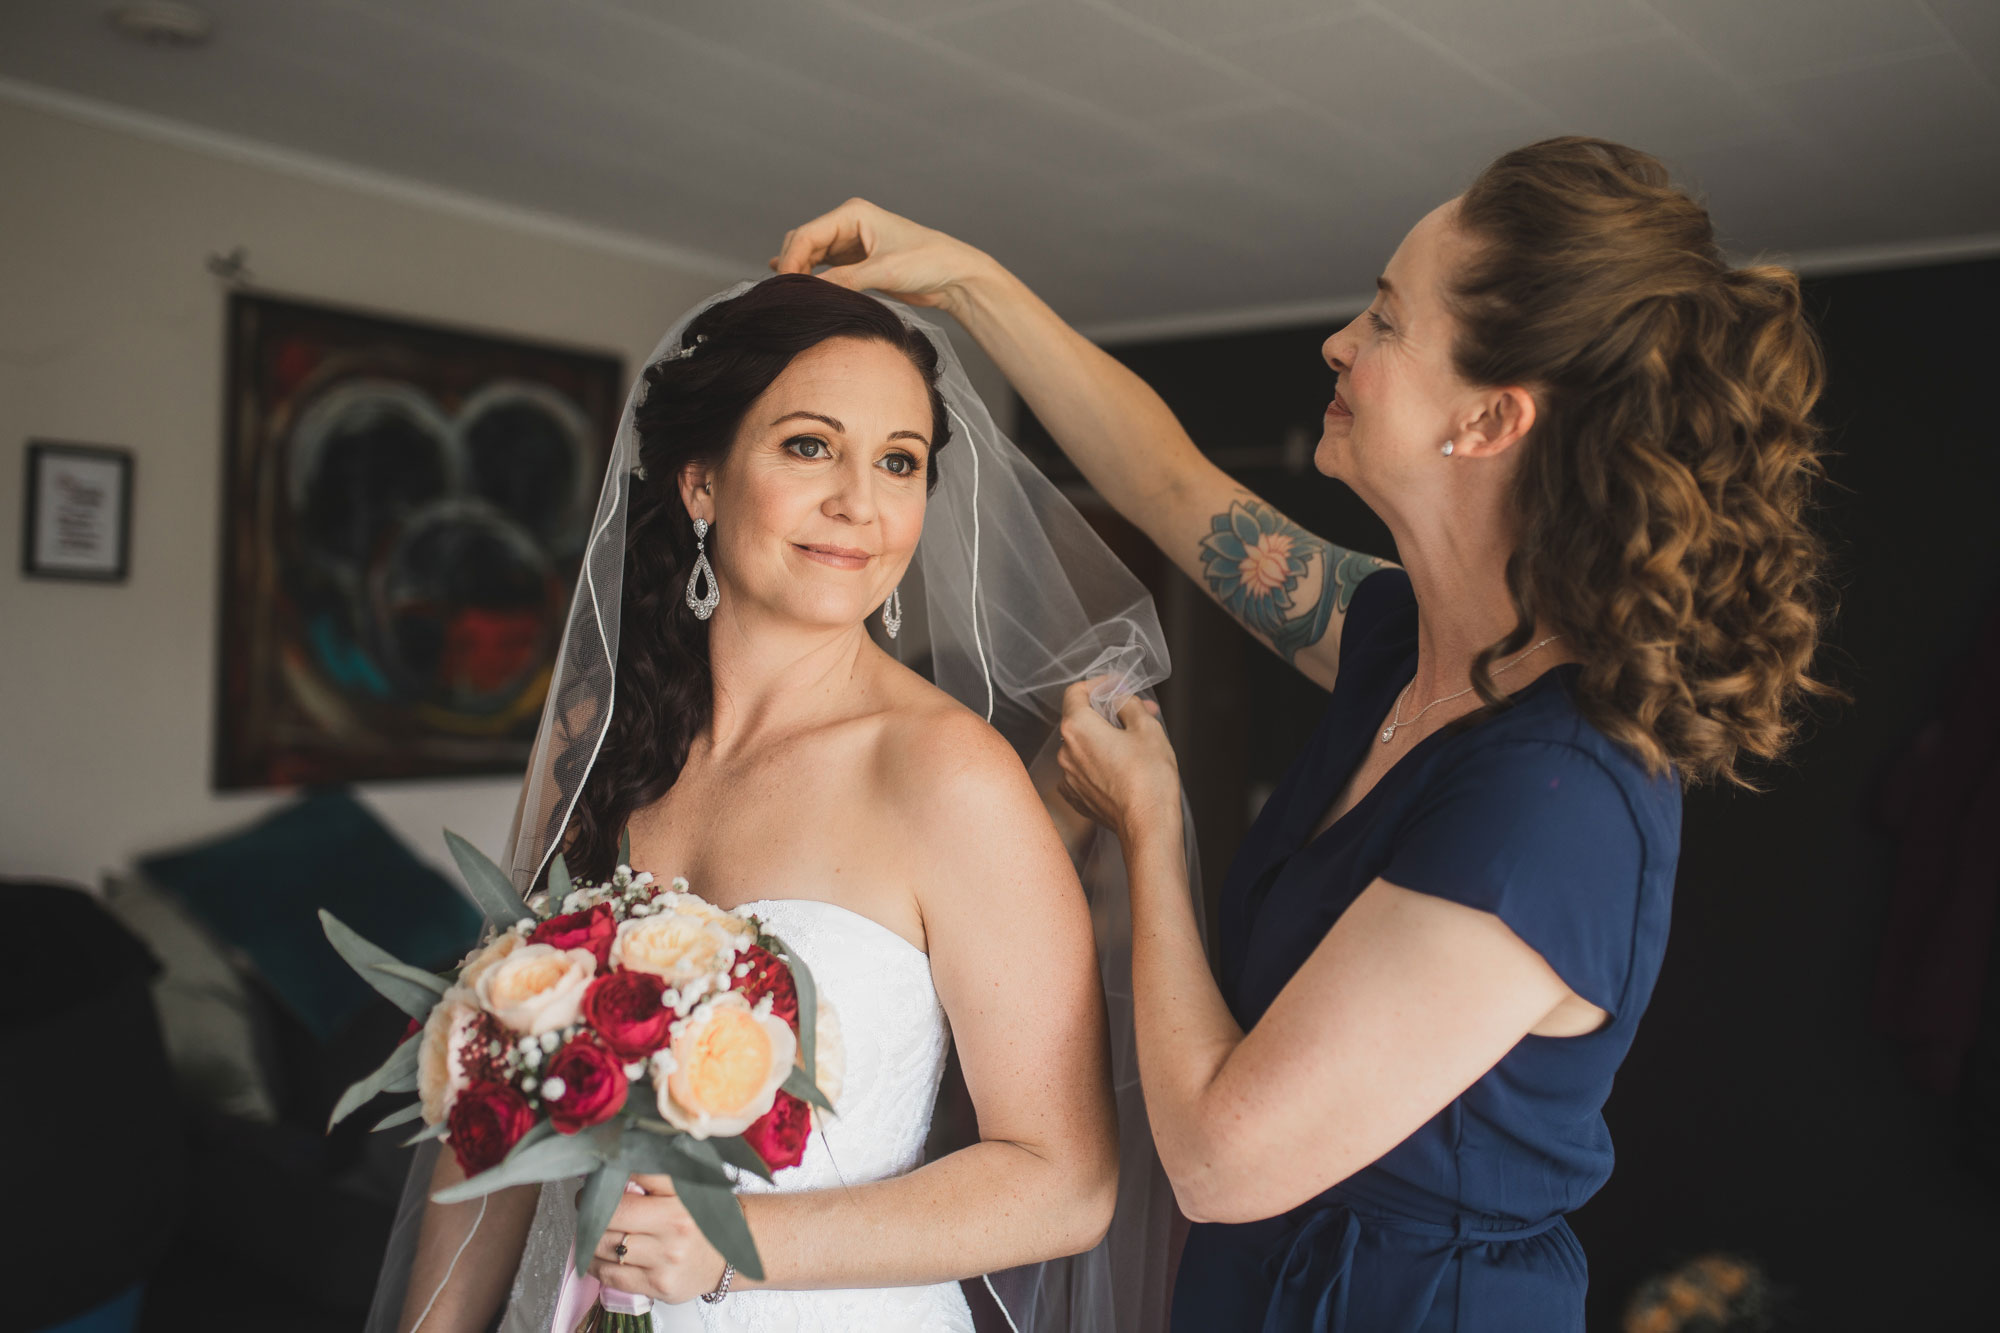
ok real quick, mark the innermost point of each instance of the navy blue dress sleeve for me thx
(1543, 835)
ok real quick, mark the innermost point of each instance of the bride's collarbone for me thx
(809, 840)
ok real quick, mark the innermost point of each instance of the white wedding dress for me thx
(895, 1035)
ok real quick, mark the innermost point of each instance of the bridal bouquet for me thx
(603, 1030)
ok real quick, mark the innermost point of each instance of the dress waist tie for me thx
(1312, 1280)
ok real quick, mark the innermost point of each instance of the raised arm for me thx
(1285, 585)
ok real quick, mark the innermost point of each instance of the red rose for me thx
(779, 1136)
(486, 1121)
(625, 1011)
(593, 929)
(593, 1086)
(769, 976)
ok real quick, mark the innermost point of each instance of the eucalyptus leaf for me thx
(802, 982)
(425, 1134)
(662, 1156)
(397, 1074)
(372, 961)
(594, 1208)
(538, 1131)
(555, 1158)
(491, 888)
(740, 1155)
(805, 1089)
(402, 1117)
(416, 976)
(559, 883)
(715, 1210)
(625, 847)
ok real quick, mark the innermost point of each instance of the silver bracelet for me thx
(722, 1287)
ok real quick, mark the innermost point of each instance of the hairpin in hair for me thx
(683, 353)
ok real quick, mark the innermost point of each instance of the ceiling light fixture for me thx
(162, 23)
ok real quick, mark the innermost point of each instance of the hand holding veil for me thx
(1010, 598)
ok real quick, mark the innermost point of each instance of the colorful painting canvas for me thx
(404, 509)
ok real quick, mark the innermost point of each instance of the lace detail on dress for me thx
(896, 1038)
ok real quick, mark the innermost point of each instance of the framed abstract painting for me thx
(404, 507)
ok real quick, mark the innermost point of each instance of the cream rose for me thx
(728, 1062)
(730, 924)
(677, 945)
(440, 1067)
(536, 988)
(481, 961)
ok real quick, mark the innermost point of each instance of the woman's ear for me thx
(696, 490)
(1506, 417)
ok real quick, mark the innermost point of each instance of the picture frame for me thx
(76, 521)
(405, 506)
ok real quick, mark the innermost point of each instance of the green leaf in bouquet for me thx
(625, 847)
(739, 1155)
(802, 982)
(594, 1208)
(395, 1118)
(559, 882)
(802, 1087)
(491, 888)
(397, 1074)
(416, 976)
(375, 965)
(715, 1210)
(673, 1155)
(424, 1135)
(555, 1157)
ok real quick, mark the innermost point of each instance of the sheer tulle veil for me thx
(1010, 598)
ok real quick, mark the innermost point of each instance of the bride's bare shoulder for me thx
(930, 742)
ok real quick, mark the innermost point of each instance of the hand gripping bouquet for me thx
(603, 1030)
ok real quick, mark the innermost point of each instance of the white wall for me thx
(111, 332)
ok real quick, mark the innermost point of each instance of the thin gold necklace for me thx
(1396, 718)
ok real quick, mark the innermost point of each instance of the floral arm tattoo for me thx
(1254, 558)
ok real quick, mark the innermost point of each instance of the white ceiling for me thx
(1139, 160)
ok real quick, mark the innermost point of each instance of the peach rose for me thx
(480, 961)
(688, 904)
(728, 1061)
(536, 988)
(677, 945)
(441, 1074)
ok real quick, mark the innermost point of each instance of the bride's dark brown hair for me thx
(690, 413)
(1661, 503)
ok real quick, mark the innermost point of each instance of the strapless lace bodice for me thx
(895, 1038)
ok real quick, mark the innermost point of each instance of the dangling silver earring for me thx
(703, 607)
(892, 611)
(1447, 448)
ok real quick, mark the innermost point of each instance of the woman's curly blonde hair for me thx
(1661, 500)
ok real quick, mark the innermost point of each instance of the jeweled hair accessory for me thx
(677, 354)
(683, 353)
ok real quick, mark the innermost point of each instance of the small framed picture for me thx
(77, 522)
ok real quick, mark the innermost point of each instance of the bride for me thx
(754, 735)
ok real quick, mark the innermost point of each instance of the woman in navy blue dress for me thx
(1590, 438)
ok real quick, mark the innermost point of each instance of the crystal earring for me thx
(703, 607)
(1447, 448)
(892, 611)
